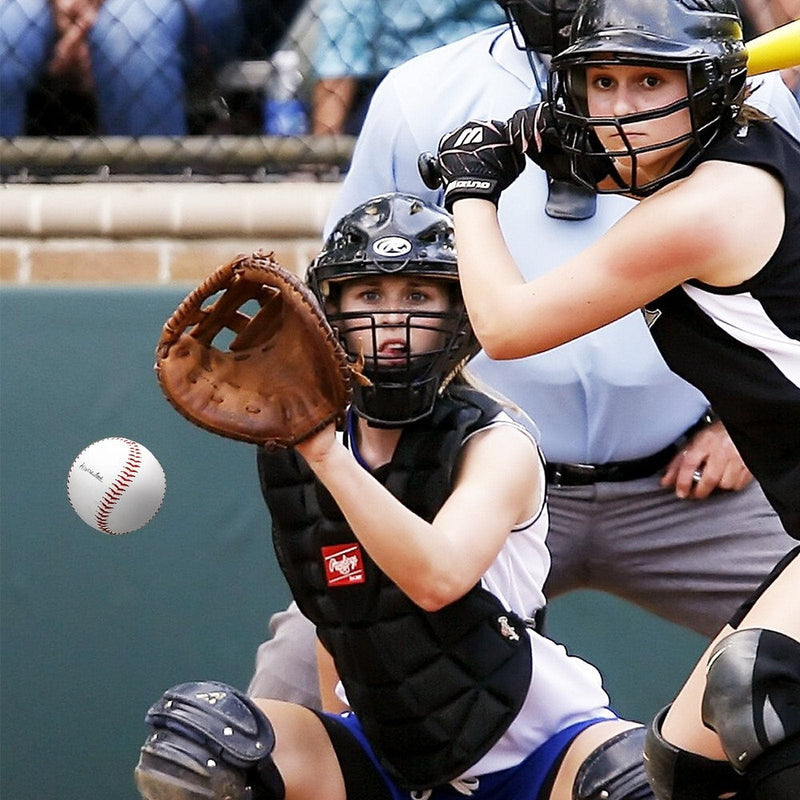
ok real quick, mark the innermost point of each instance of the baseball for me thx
(116, 485)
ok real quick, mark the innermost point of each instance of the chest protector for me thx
(434, 691)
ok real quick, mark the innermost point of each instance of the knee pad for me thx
(614, 770)
(208, 742)
(677, 774)
(752, 694)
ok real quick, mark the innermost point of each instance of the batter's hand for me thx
(709, 461)
(475, 160)
(533, 133)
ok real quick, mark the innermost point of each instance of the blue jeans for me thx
(26, 39)
(141, 50)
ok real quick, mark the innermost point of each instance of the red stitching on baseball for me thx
(117, 489)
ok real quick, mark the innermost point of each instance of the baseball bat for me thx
(775, 49)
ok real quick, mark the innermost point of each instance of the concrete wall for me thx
(153, 233)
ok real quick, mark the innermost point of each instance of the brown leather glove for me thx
(282, 377)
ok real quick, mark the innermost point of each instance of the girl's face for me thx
(393, 301)
(618, 91)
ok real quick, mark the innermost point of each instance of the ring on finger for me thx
(697, 476)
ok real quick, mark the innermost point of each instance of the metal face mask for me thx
(702, 38)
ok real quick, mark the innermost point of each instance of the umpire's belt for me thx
(586, 474)
(616, 471)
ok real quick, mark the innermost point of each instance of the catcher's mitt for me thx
(282, 377)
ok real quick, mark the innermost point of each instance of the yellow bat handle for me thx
(776, 49)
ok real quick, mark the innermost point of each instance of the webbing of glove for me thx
(283, 376)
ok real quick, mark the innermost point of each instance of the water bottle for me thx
(285, 113)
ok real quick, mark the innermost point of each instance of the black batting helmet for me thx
(540, 25)
(702, 37)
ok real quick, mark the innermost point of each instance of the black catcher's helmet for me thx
(396, 234)
(540, 25)
(701, 37)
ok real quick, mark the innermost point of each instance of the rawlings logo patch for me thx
(344, 564)
(392, 246)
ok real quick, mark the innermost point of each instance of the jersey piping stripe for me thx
(757, 330)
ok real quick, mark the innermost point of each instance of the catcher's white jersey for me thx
(564, 689)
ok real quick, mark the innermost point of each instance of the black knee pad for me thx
(677, 774)
(752, 694)
(208, 741)
(614, 770)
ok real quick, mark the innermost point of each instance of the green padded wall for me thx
(95, 627)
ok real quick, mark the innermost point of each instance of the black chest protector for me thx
(434, 691)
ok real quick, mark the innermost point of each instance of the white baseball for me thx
(116, 485)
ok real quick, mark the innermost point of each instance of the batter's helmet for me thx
(701, 37)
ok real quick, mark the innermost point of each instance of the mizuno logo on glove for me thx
(469, 136)
(471, 183)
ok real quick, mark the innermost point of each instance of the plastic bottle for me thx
(285, 113)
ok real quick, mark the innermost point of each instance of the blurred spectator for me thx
(26, 38)
(359, 41)
(267, 22)
(760, 16)
(135, 56)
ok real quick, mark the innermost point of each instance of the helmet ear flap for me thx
(716, 97)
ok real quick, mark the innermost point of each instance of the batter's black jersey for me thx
(740, 345)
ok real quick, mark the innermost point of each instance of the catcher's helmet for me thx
(540, 25)
(701, 37)
(396, 234)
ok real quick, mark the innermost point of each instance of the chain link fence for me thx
(239, 90)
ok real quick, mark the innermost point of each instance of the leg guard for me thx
(614, 770)
(752, 694)
(677, 774)
(208, 742)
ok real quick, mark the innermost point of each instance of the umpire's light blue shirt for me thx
(366, 38)
(607, 396)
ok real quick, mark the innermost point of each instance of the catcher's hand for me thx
(282, 377)
(475, 160)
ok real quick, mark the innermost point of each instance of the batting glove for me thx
(475, 160)
(533, 133)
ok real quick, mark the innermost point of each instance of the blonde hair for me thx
(463, 377)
